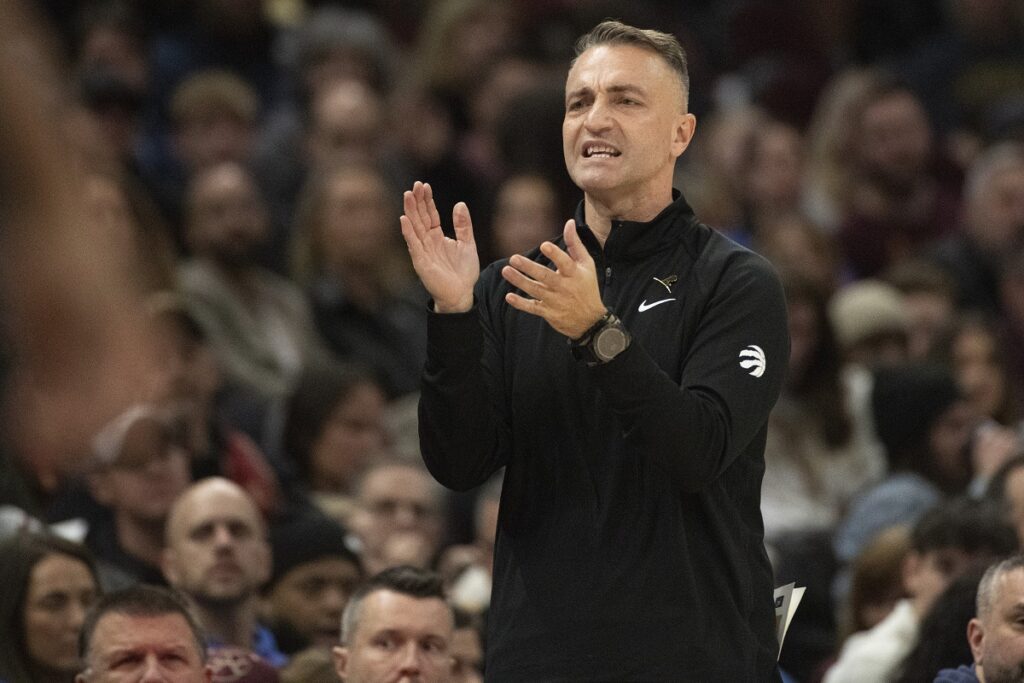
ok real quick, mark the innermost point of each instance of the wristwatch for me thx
(605, 340)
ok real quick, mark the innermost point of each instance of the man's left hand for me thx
(568, 297)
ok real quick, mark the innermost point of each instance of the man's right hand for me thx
(448, 267)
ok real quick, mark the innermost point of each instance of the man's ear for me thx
(685, 127)
(975, 638)
(340, 655)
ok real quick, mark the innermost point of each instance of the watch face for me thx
(609, 342)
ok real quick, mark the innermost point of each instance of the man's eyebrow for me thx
(618, 89)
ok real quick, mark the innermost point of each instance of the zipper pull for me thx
(607, 275)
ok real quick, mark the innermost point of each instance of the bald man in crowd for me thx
(218, 555)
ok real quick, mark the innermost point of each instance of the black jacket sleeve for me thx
(464, 437)
(731, 377)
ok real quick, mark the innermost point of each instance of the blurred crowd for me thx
(248, 158)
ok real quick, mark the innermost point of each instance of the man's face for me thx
(216, 552)
(995, 213)
(135, 648)
(227, 219)
(398, 519)
(398, 638)
(625, 123)
(927, 574)
(997, 641)
(151, 471)
(895, 138)
(311, 597)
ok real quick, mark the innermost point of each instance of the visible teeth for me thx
(599, 151)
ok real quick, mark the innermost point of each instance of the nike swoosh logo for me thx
(644, 306)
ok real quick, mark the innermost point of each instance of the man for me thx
(143, 467)
(259, 324)
(995, 635)
(217, 554)
(993, 226)
(142, 633)
(396, 627)
(623, 377)
(314, 575)
(397, 518)
(945, 542)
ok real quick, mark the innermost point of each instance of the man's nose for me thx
(411, 662)
(152, 671)
(598, 117)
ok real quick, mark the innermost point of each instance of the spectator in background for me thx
(821, 450)
(943, 544)
(1006, 489)
(993, 226)
(993, 634)
(142, 633)
(929, 300)
(314, 574)
(897, 201)
(397, 625)
(398, 515)
(925, 425)
(876, 581)
(48, 585)
(346, 126)
(1011, 295)
(217, 554)
(334, 427)
(870, 321)
(773, 175)
(258, 323)
(975, 351)
(192, 387)
(526, 213)
(941, 641)
(215, 116)
(457, 41)
(330, 46)
(831, 140)
(795, 245)
(142, 468)
(366, 303)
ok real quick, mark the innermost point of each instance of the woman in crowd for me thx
(334, 425)
(48, 585)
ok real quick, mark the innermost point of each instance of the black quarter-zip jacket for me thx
(630, 540)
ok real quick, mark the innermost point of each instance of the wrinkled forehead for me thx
(200, 508)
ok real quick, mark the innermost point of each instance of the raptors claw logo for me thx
(755, 361)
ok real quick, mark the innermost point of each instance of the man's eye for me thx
(433, 647)
(125, 662)
(385, 643)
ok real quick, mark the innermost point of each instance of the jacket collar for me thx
(637, 239)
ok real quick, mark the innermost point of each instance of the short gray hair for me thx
(665, 45)
(411, 581)
(986, 589)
